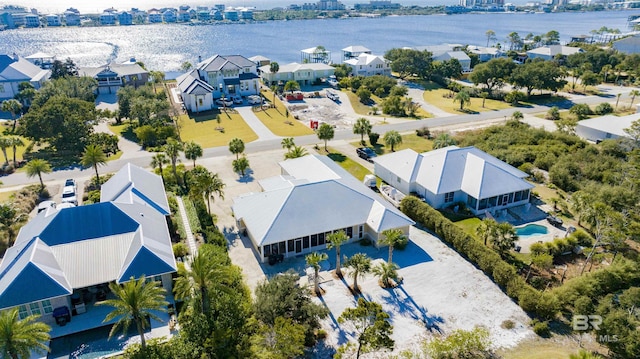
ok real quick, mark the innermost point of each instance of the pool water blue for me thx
(531, 230)
(90, 344)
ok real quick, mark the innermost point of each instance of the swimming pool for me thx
(90, 344)
(531, 230)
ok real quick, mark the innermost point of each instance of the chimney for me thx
(199, 58)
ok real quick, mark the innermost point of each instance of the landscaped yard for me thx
(436, 95)
(275, 119)
(363, 109)
(413, 141)
(357, 170)
(6, 196)
(202, 129)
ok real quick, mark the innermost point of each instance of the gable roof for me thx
(295, 66)
(316, 196)
(365, 59)
(218, 62)
(66, 249)
(20, 69)
(453, 169)
(614, 125)
(553, 50)
(124, 69)
(133, 184)
(191, 84)
(356, 48)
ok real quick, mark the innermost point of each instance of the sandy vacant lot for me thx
(441, 292)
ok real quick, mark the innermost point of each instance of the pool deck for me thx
(94, 318)
(552, 233)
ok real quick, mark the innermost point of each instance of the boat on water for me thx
(391, 194)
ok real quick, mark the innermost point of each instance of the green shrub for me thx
(192, 215)
(180, 250)
(604, 108)
(541, 328)
(214, 236)
(537, 249)
(373, 138)
(508, 324)
(527, 168)
(402, 243)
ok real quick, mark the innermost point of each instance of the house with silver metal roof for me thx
(606, 127)
(113, 76)
(312, 198)
(305, 74)
(451, 175)
(369, 65)
(15, 70)
(63, 259)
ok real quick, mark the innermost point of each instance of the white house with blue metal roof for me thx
(312, 198)
(63, 259)
(451, 175)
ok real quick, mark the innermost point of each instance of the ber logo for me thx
(585, 322)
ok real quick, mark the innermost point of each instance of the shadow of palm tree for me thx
(407, 306)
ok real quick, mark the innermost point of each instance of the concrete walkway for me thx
(191, 241)
(256, 125)
(128, 148)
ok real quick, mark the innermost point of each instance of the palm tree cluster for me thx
(293, 151)
(502, 236)
(12, 142)
(18, 338)
(240, 164)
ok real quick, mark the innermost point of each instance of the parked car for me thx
(332, 81)
(365, 153)
(554, 221)
(333, 96)
(70, 182)
(298, 96)
(221, 102)
(254, 100)
(237, 100)
(69, 195)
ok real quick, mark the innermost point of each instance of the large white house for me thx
(369, 65)
(312, 198)
(304, 74)
(551, 51)
(15, 70)
(63, 259)
(452, 175)
(446, 52)
(605, 127)
(216, 76)
(112, 77)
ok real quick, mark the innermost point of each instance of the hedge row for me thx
(543, 305)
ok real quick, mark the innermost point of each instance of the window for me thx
(448, 197)
(349, 231)
(492, 201)
(398, 179)
(267, 251)
(282, 248)
(471, 201)
(360, 231)
(290, 245)
(321, 240)
(314, 240)
(34, 308)
(46, 306)
(200, 102)
(305, 242)
(22, 311)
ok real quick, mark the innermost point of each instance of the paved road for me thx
(19, 178)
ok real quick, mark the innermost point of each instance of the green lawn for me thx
(6, 196)
(357, 170)
(276, 121)
(203, 129)
(413, 141)
(363, 109)
(438, 96)
(469, 225)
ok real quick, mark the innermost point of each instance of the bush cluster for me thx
(503, 274)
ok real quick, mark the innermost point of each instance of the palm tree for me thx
(360, 263)
(206, 183)
(484, 95)
(386, 271)
(12, 106)
(135, 300)
(274, 67)
(94, 156)
(192, 151)
(291, 85)
(172, 148)
(157, 78)
(325, 132)
(335, 240)
(19, 337)
(295, 152)
(633, 95)
(443, 140)
(463, 97)
(391, 238)
(313, 260)
(9, 216)
(517, 116)
(201, 275)
(362, 127)
(37, 167)
(491, 36)
(485, 230)
(15, 143)
(157, 161)
(240, 165)
(392, 138)
(236, 146)
(287, 143)
(617, 99)
(5, 143)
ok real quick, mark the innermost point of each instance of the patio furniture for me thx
(62, 315)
